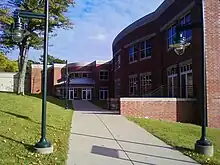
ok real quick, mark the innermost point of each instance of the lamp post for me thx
(203, 145)
(67, 86)
(43, 146)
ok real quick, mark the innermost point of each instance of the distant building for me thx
(87, 81)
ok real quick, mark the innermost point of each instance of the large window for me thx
(103, 75)
(145, 49)
(78, 75)
(145, 83)
(133, 54)
(117, 88)
(103, 93)
(186, 20)
(133, 85)
(186, 80)
(84, 74)
(171, 35)
(172, 79)
(117, 61)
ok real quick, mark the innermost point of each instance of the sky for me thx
(96, 24)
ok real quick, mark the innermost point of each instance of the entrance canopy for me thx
(82, 81)
(79, 81)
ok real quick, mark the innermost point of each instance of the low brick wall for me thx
(170, 109)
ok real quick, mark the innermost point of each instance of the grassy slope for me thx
(20, 118)
(182, 136)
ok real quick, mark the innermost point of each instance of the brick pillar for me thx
(36, 81)
(212, 49)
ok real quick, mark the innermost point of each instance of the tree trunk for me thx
(22, 70)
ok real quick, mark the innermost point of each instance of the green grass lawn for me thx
(183, 137)
(20, 118)
(100, 103)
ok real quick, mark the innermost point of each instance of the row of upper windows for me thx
(144, 48)
(171, 34)
(103, 75)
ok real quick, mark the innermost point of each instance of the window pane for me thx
(149, 52)
(131, 58)
(183, 85)
(101, 94)
(188, 18)
(142, 45)
(106, 94)
(170, 41)
(143, 54)
(182, 21)
(135, 48)
(174, 30)
(135, 56)
(169, 32)
(131, 50)
(188, 33)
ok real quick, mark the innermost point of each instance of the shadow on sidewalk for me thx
(103, 113)
(119, 140)
(114, 153)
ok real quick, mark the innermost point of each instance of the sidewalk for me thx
(101, 138)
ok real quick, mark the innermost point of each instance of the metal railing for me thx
(186, 91)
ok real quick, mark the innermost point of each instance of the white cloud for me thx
(99, 37)
(96, 23)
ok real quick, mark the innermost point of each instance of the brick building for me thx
(87, 81)
(144, 66)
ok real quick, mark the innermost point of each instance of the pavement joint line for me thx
(114, 138)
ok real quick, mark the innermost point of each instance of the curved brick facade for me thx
(154, 28)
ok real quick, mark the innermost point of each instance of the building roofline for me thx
(40, 66)
(144, 20)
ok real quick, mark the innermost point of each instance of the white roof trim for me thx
(102, 62)
(144, 20)
(59, 65)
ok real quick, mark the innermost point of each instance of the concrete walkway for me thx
(101, 138)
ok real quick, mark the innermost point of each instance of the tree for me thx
(12, 66)
(3, 62)
(7, 65)
(34, 40)
(51, 60)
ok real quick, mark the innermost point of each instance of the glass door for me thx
(84, 97)
(86, 94)
(71, 95)
(172, 85)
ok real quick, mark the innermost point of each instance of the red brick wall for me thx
(212, 49)
(36, 75)
(170, 109)
(56, 75)
(36, 79)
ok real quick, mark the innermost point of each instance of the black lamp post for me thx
(67, 86)
(43, 146)
(203, 145)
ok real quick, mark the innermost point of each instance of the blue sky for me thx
(96, 23)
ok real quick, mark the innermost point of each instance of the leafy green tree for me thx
(7, 65)
(12, 66)
(52, 60)
(3, 62)
(57, 20)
